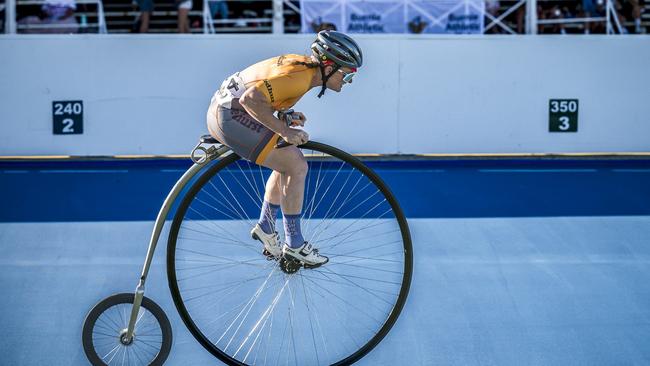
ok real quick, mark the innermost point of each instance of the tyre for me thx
(107, 322)
(246, 307)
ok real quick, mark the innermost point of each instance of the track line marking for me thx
(538, 170)
(81, 171)
(631, 170)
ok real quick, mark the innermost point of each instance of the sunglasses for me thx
(347, 76)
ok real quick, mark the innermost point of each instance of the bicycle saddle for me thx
(208, 139)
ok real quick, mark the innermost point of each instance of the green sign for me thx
(563, 115)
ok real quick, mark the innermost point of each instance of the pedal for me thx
(309, 266)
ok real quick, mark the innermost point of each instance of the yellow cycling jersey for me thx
(283, 80)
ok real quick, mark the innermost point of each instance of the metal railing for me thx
(273, 21)
(498, 20)
(533, 23)
(610, 18)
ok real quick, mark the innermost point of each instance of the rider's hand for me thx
(298, 119)
(295, 136)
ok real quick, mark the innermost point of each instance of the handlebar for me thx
(287, 117)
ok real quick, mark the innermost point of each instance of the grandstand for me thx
(564, 16)
(256, 16)
(243, 17)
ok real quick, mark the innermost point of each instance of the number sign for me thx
(563, 115)
(67, 117)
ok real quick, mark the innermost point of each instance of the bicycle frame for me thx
(213, 152)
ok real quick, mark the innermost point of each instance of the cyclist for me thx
(241, 116)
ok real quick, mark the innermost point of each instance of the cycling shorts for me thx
(238, 130)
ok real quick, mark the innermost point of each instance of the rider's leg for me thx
(271, 205)
(292, 168)
(272, 192)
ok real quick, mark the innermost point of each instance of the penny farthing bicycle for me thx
(246, 307)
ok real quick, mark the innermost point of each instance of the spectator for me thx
(617, 12)
(146, 7)
(2, 17)
(636, 14)
(242, 21)
(416, 25)
(219, 7)
(319, 25)
(598, 8)
(58, 13)
(521, 15)
(588, 10)
(492, 8)
(183, 7)
(550, 12)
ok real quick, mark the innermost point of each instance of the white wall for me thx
(147, 94)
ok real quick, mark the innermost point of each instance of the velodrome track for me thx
(517, 262)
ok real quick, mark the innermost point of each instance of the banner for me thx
(395, 16)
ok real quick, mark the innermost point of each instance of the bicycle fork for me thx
(200, 160)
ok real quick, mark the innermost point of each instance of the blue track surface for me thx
(134, 190)
(516, 262)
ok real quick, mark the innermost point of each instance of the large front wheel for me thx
(246, 308)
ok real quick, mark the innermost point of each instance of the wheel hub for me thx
(124, 339)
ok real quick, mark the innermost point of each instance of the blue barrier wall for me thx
(134, 190)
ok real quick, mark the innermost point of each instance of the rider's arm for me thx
(257, 105)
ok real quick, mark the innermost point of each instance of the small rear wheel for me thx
(104, 333)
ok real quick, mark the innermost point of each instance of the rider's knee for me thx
(300, 168)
